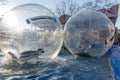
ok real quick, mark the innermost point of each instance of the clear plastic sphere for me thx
(30, 31)
(89, 33)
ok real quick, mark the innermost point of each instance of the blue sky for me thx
(50, 4)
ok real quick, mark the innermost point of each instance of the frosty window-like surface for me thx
(89, 32)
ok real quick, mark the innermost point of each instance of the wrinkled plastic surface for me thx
(64, 67)
(115, 61)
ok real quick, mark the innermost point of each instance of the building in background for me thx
(111, 13)
(63, 19)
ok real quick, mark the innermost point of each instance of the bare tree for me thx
(108, 3)
(98, 4)
(73, 7)
(61, 8)
(69, 7)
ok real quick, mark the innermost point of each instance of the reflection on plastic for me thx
(27, 28)
(89, 32)
(115, 61)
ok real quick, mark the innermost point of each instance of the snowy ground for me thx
(67, 67)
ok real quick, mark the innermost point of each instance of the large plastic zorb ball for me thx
(30, 31)
(89, 33)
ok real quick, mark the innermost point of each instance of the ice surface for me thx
(67, 67)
